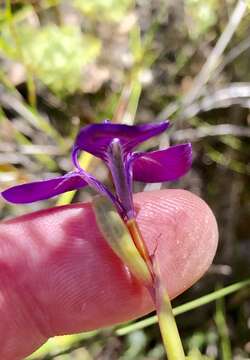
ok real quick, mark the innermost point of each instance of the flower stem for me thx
(136, 235)
(169, 331)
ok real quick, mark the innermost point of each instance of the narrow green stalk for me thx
(190, 305)
(30, 79)
(220, 319)
(29, 114)
(169, 331)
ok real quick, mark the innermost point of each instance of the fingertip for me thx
(183, 230)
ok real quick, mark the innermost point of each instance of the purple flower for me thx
(114, 144)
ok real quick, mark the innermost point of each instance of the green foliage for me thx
(195, 354)
(110, 10)
(202, 16)
(55, 55)
(136, 344)
(59, 344)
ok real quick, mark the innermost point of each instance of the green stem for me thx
(181, 309)
(169, 331)
(220, 320)
(30, 79)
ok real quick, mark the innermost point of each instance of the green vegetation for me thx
(65, 64)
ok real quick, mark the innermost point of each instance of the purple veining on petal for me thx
(117, 161)
(43, 189)
(96, 138)
(163, 165)
(94, 183)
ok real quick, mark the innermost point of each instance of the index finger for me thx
(59, 276)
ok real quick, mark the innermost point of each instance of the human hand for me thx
(59, 276)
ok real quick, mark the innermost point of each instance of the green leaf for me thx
(110, 10)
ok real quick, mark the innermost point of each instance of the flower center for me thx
(122, 176)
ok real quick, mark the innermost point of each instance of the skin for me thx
(58, 275)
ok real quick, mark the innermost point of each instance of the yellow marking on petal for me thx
(66, 198)
(85, 159)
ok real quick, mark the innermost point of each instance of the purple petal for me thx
(95, 138)
(163, 165)
(43, 189)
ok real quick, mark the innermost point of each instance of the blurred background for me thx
(64, 64)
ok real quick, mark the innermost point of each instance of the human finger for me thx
(59, 276)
